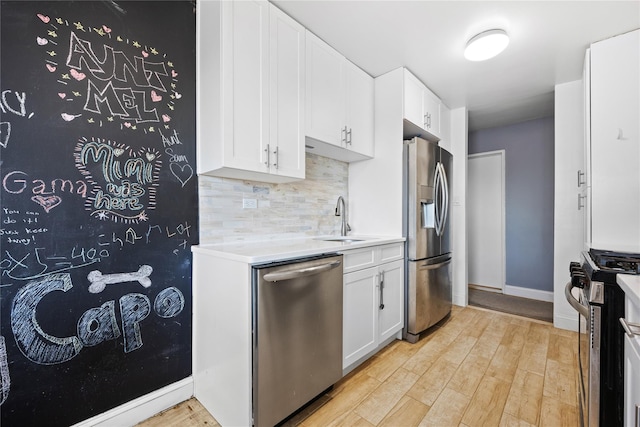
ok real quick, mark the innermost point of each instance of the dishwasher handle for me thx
(301, 272)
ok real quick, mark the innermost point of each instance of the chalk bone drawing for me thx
(123, 180)
(100, 281)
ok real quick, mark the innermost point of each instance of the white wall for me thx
(568, 233)
(458, 147)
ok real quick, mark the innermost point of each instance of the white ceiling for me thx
(548, 42)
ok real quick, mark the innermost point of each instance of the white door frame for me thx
(503, 262)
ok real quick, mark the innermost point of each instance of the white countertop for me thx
(277, 250)
(630, 284)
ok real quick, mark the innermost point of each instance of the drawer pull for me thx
(631, 329)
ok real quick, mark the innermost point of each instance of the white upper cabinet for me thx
(339, 104)
(615, 142)
(251, 62)
(359, 110)
(421, 106)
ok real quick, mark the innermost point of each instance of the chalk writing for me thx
(95, 325)
(116, 84)
(15, 103)
(45, 193)
(38, 262)
(99, 281)
(169, 303)
(5, 380)
(34, 343)
(123, 181)
(98, 325)
(5, 134)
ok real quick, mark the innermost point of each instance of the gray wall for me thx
(529, 163)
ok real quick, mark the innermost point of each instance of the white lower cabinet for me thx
(632, 382)
(373, 305)
(632, 365)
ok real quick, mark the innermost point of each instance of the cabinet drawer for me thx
(358, 259)
(391, 252)
(632, 311)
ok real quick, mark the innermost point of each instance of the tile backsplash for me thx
(296, 209)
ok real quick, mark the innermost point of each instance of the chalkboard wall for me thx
(98, 204)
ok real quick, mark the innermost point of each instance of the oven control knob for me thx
(578, 280)
(574, 266)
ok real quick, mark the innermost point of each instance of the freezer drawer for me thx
(428, 293)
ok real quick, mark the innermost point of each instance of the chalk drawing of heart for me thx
(155, 97)
(127, 124)
(182, 172)
(150, 156)
(173, 73)
(118, 152)
(47, 202)
(42, 41)
(51, 68)
(62, 95)
(77, 75)
(106, 29)
(166, 118)
(68, 117)
(178, 95)
(145, 54)
(43, 18)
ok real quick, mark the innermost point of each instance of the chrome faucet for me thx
(341, 210)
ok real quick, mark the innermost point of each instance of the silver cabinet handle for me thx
(427, 121)
(348, 135)
(637, 415)
(343, 135)
(580, 204)
(580, 175)
(266, 150)
(631, 329)
(276, 153)
(302, 272)
(381, 306)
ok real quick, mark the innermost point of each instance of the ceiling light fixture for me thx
(486, 45)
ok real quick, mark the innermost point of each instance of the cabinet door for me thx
(287, 65)
(359, 110)
(413, 98)
(632, 382)
(431, 113)
(325, 92)
(615, 143)
(360, 314)
(391, 315)
(246, 92)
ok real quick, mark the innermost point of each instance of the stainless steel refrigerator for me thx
(427, 228)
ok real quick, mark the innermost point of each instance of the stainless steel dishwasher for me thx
(297, 334)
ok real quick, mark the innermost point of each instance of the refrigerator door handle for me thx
(445, 187)
(435, 266)
(438, 211)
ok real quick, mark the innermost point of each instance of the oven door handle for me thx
(574, 302)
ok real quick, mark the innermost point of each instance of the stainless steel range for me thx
(600, 305)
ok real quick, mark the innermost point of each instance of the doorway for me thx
(486, 220)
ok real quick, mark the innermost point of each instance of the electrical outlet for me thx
(249, 203)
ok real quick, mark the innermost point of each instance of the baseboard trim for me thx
(565, 322)
(144, 407)
(536, 294)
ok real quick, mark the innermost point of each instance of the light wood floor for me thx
(479, 368)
